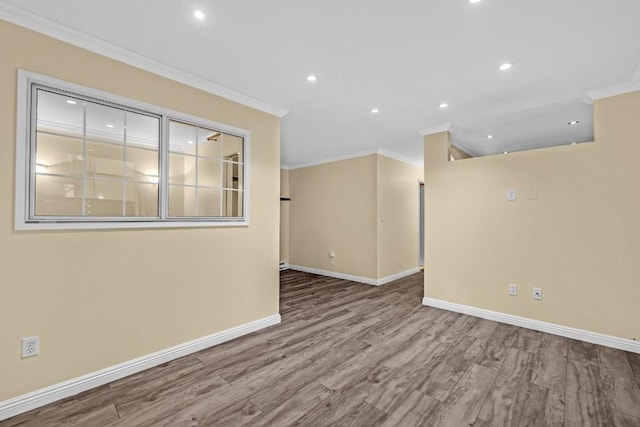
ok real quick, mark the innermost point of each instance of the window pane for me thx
(58, 155)
(182, 169)
(208, 172)
(58, 196)
(209, 143)
(143, 131)
(233, 148)
(209, 202)
(232, 203)
(182, 201)
(142, 165)
(233, 176)
(104, 198)
(182, 138)
(142, 200)
(105, 160)
(59, 113)
(105, 123)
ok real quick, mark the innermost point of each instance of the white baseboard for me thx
(537, 325)
(284, 266)
(397, 276)
(38, 398)
(353, 278)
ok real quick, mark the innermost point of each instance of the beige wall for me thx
(573, 231)
(124, 294)
(333, 208)
(398, 216)
(284, 216)
(339, 207)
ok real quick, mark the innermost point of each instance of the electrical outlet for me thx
(30, 346)
(399, 263)
(513, 289)
(537, 293)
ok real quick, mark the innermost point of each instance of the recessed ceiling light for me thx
(474, 1)
(489, 136)
(506, 152)
(199, 15)
(443, 105)
(189, 142)
(110, 126)
(574, 122)
(573, 143)
(71, 101)
(374, 111)
(506, 66)
(312, 78)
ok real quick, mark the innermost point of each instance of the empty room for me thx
(338, 213)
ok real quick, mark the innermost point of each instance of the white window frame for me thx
(27, 79)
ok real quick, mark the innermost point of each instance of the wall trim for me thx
(631, 86)
(537, 325)
(61, 32)
(44, 396)
(445, 127)
(380, 151)
(353, 278)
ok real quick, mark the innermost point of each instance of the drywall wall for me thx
(364, 209)
(573, 230)
(398, 216)
(98, 298)
(284, 216)
(333, 209)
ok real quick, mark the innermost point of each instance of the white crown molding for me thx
(61, 32)
(331, 159)
(38, 398)
(353, 278)
(398, 157)
(632, 86)
(445, 127)
(379, 151)
(464, 147)
(537, 325)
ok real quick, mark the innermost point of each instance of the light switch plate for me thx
(511, 195)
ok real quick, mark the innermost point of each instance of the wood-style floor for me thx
(348, 354)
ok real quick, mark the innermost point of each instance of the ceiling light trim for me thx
(63, 33)
(445, 127)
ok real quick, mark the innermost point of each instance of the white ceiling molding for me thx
(379, 151)
(330, 159)
(632, 86)
(464, 147)
(52, 29)
(398, 157)
(445, 127)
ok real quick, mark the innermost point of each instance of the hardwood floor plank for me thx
(416, 410)
(551, 363)
(528, 340)
(397, 388)
(620, 387)
(497, 346)
(542, 407)
(463, 404)
(452, 366)
(506, 401)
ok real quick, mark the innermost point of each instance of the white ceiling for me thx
(403, 57)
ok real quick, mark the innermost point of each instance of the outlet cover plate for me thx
(30, 346)
(537, 293)
(513, 289)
